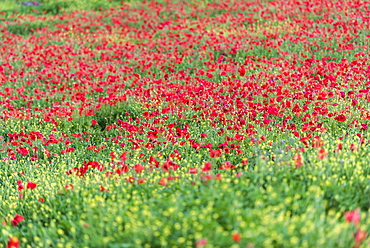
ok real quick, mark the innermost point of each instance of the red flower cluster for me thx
(359, 235)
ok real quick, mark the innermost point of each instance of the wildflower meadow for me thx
(237, 123)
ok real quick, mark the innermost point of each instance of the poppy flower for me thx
(207, 166)
(239, 174)
(20, 185)
(360, 236)
(141, 180)
(203, 135)
(138, 168)
(215, 153)
(103, 189)
(298, 160)
(31, 185)
(163, 181)
(322, 153)
(201, 243)
(340, 118)
(123, 156)
(17, 218)
(244, 161)
(13, 242)
(353, 216)
(236, 237)
(227, 166)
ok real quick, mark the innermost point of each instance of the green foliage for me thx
(26, 28)
(105, 115)
(55, 7)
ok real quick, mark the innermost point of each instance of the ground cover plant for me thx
(185, 124)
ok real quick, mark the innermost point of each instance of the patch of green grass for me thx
(26, 28)
(55, 7)
(105, 115)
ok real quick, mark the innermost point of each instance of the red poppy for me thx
(322, 153)
(227, 166)
(360, 236)
(31, 185)
(123, 156)
(207, 166)
(13, 242)
(17, 218)
(138, 168)
(340, 118)
(69, 187)
(215, 153)
(163, 181)
(141, 180)
(203, 135)
(244, 161)
(20, 185)
(201, 243)
(353, 216)
(298, 160)
(103, 189)
(236, 237)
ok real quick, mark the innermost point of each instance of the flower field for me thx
(185, 124)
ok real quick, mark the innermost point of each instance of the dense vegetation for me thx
(185, 124)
